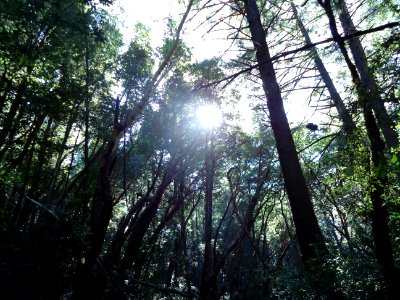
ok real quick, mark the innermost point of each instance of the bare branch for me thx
(232, 77)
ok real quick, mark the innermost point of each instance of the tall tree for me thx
(310, 237)
(348, 124)
(378, 180)
(367, 77)
(103, 200)
(208, 288)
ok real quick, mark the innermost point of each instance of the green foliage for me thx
(61, 63)
(136, 64)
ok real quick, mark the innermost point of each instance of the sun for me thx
(209, 116)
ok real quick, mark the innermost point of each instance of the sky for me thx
(154, 13)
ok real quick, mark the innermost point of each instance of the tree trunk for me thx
(380, 228)
(10, 123)
(102, 201)
(136, 238)
(208, 285)
(60, 154)
(307, 227)
(246, 227)
(380, 216)
(183, 236)
(115, 247)
(367, 78)
(348, 124)
(309, 234)
(30, 140)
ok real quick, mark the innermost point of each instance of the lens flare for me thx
(209, 116)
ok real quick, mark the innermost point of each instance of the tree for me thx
(348, 124)
(132, 196)
(377, 180)
(367, 78)
(308, 232)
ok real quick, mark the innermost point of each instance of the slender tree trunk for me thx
(102, 201)
(367, 78)
(11, 123)
(246, 225)
(87, 103)
(348, 124)
(33, 173)
(307, 227)
(173, 266)
(115, 247)
(208, 286)
(22, 205)
(380, 228)
(86, 195)
(67, 185)
(30, 141)
(6, 87)
(60, 159)
(36, 189)
(10, 127)
(380, 216)
(171, 211)
(309, 234)
(183, 237)
(136, 238)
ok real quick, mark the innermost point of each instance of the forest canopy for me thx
(139, 169)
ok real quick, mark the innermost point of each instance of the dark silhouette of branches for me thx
(232, 77)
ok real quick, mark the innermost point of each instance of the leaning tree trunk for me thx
(137, 235)
(170, 213)
(378, 179)
(309, 234)
(102, 206)
(60, 154)
(102, 201)
(246, 223)
(348, 124)
(367, 78)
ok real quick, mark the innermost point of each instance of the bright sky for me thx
(154, 13)
(150, 12)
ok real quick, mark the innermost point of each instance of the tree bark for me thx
(307, 227)
(310, 237)
(208, 285)
(367, 78)
(348, 124)
(378, 176)
(102, 206)
(136, 238)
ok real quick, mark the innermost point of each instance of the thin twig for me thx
(230, 78)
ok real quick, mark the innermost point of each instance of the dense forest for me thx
(111, 187)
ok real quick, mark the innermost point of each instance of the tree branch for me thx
(155, 79)
(232, 77)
